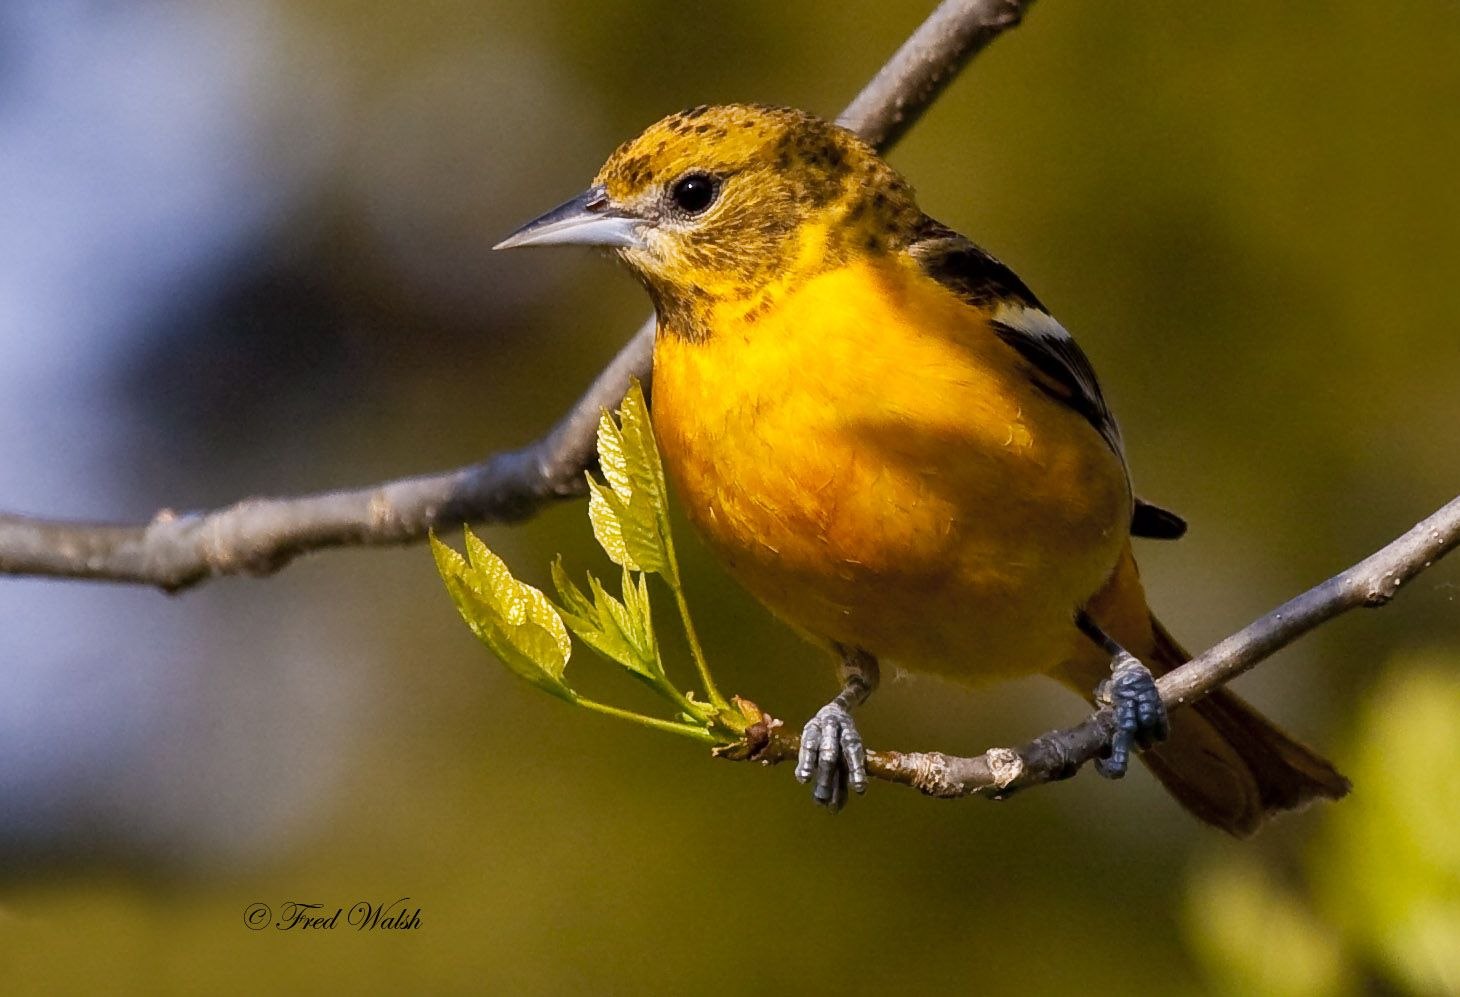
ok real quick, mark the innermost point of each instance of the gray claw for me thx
(832, 752)
(810, 741)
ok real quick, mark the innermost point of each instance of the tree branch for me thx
(260, 536)
(1060, 753)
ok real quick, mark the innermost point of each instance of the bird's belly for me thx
(908, 498)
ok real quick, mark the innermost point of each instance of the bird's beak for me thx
(590, 219)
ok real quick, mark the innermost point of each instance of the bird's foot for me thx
(833, 755)
(1140, 716)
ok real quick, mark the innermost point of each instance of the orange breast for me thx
(868, 460)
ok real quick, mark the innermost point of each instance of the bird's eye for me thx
(694, 192)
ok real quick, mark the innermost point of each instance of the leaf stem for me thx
(672, 726)
(666, 688)
(719, 702)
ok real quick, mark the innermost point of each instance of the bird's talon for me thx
(1140, 716)
(833, 755)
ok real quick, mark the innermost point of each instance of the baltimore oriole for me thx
(891, 443)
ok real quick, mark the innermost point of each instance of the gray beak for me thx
(590, 219)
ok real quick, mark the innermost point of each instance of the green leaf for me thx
(574, 601)
(531, 611)
(642, 534)
(628, 509)
(628, 530)
(620, 631)
(606, 639)
(630, 516)
(629, 630)
(636, 603)
(608, 527)
(515, 620)
(641, 447)
(449, 563)
(612, 458)
(495, 579)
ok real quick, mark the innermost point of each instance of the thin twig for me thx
(260, 536)
(1059, 754)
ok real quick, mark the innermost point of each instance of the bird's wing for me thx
(1058, 366)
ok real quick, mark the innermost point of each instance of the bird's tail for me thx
(1225, 762)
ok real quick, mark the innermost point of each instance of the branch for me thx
(260, 536)
(1060, 754)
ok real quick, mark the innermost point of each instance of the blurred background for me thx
(244, 249)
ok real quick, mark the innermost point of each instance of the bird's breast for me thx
(869, 461)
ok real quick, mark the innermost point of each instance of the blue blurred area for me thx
(131, 184)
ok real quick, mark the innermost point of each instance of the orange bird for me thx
(891, 443)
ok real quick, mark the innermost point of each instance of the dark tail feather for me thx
(1228, 764)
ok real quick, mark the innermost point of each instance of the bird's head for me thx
(727, 204)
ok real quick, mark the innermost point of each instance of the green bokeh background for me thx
(1246, 212)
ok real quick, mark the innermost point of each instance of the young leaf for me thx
(636, 602)
(639, 447)
(628, 510)
(574, 601)
(608, 527)
(643, 538)
(515, 620)
(609, 627)
(496, 580)
(589, 627)
(619, 624)
(531, 611)
(612, 458)
(641, 622)
(629, 516)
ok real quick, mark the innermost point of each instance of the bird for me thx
(885, 437)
